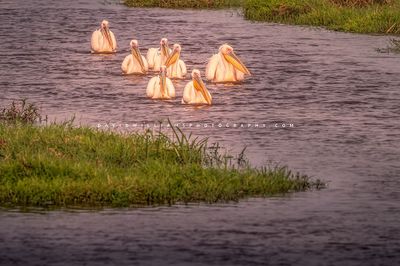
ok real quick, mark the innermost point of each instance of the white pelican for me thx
(176, 68)
(225, 66)
(195, 91)
(103, 40)
(160, 87)
(156, 57)
(135, 62)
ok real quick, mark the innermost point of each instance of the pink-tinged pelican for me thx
(135, 63)
(176, 68)
(225, 66)
(195, 91)
(160, 87)
(156, 57)
(103, 40)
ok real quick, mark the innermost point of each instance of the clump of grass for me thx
(20, 112)
(349, 16)
(62, 165)
(184, 4)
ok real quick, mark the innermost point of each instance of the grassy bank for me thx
(370, 17)
(360, 16)
(63, 165)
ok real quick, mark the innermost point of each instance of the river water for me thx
(338, 98)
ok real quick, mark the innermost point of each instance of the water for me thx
(341, 96)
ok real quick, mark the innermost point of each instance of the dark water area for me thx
(341, 96)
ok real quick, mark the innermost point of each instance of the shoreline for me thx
(356, 16)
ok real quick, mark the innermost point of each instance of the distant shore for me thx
(358, 16)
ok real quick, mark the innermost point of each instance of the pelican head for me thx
(106, 32)
(104, 24)
(174, 56)
(134, 44)
(163, 80)
(164, 46)
(227, 52)
(199, 86)
(136, 54)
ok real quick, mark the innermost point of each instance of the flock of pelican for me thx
(222, 67)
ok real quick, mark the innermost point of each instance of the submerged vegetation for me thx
(394, 46)
(361, 16)
(63, 165)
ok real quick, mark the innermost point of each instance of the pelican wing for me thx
(188, 92)
(212, 67)
(95, 41)
(170, 88)
(151, 86)
(151, 54)
(114, 41)
(125, 64)
(182, 65)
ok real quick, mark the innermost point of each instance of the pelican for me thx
(156, 57)
(103, 40)
(195, 91)
(135, 62)
(160, 87)
(176, 68)
(225, 66)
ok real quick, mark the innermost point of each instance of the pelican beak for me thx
(106, 33)
(199, 86)
(172, 58)
(235, 61)
(136, 54)
(163, 83)
(165, 49)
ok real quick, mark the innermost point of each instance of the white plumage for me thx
(225, 66)
(195, 91)
(156, 57)
(103, 40)
(135, 63)
(176, 68)
(160, 87)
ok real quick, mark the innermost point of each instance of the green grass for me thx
(62, 165)
(368, 18)
(359, 16)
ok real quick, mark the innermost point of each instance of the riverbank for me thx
(358, 16)
(64, 165)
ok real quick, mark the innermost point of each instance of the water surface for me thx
(342, 97)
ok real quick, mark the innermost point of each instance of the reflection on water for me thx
(341, 96)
